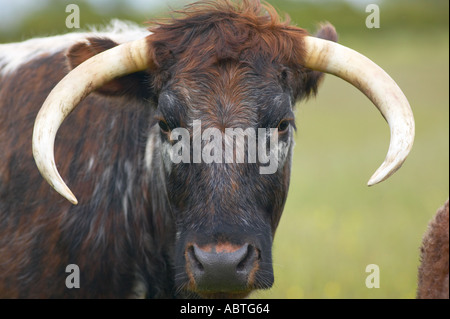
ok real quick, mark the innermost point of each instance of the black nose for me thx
(220, 270)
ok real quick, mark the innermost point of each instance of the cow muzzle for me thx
(223, 270)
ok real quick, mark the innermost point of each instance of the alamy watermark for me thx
(214, 146)
(373, 279)
(73, 279)
(73, 19)
(373, 19)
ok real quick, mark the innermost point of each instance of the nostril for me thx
(248, 259)
(193, 259)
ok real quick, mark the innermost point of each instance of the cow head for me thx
(224, 80)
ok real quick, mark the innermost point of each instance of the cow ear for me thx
(314, 78)
(134, 85)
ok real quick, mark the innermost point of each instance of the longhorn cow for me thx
(144, 222)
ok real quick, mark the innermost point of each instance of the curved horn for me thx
(378, 86)
(123, 59)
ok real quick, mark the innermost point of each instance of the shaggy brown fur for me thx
(433, 271)
(207, 33)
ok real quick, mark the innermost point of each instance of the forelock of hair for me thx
(207, 32)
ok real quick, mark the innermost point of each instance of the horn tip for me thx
(380, 175)
(73, 200)
(372, 182)
(67, 194)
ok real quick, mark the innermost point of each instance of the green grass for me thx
(333, 224)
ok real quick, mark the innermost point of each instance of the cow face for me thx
(226, 198)
(225, 101)
(221, 138)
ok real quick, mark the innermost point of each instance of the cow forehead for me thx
(228, 95)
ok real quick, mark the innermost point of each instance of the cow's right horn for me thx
(378, 86)
(123, 59)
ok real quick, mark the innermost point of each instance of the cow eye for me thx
(164, 126)
(283, 126)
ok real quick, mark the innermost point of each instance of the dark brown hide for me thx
(433, 270)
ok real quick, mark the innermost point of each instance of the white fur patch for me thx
(139, 289)
(13, 55)
(150, 147)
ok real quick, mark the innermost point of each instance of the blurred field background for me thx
(333, 224)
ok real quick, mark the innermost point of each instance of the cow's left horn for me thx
(123, 59)
(378, 86)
